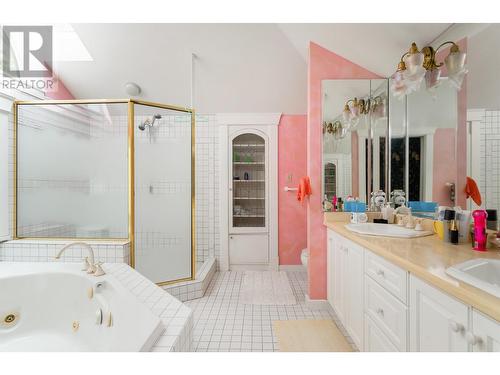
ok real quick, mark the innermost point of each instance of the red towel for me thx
(472, 191)
(304, 189)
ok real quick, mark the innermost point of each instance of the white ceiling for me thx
(239, 67)
(376, 47)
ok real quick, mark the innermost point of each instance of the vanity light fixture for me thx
(336, 129)
(415, 66)
(354, 108)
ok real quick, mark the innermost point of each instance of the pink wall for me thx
(461, 152)
(444, 157)
(292, 160)
(323, 64)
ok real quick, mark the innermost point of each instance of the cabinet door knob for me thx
(380, 273)
(230, 237)
(380, 311)
(456, 327)
(472, 338)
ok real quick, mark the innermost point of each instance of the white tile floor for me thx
(222, 323)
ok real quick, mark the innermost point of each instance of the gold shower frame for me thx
(131, 173)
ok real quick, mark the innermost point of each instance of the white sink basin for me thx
(386, 230)
(484, 274)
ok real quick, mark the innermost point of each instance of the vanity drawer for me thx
(387, 312)
(391, 277)
(375, 339)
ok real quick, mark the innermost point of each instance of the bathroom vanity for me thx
(394, 294)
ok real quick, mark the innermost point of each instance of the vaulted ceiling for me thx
(238, 67)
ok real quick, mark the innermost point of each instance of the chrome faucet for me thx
(90, 266)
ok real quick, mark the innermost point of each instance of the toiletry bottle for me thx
(449, 216)
(326, 203)
(334, 203)
(340, 205)
(463, 219)
(454, 232)
(479, 242)
(491, 222)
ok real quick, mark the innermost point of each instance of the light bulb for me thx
(346, 113)
(432, 78)
(455, 64)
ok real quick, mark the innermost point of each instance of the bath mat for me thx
(309, 336)
(266, 288)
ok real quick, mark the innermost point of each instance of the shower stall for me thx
(112, 170)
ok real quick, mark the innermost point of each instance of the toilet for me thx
(304, 257)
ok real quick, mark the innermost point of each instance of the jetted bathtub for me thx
(58, 307)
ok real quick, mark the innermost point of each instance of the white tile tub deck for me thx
(176, 316)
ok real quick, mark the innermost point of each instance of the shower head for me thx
(148, 122)
(155, 117)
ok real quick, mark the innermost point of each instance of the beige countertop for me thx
(428, 258)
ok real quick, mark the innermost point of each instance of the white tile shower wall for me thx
(207, 187)
(490, 159)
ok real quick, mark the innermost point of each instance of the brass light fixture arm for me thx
(430, 55)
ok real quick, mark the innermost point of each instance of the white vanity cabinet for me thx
(438, 322)
(485, 334)
(345, 284)
(386, 308)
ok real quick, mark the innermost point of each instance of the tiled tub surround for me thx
(176, 318)
(46, 250)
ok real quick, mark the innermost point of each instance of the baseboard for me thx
(317, 304)
(293, 267)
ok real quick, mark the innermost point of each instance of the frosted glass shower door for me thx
(163, 248)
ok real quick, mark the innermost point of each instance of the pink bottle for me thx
(480, 236)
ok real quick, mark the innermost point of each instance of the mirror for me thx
(408, 155)
(483, 117)
(352, 144)
(432, 131)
